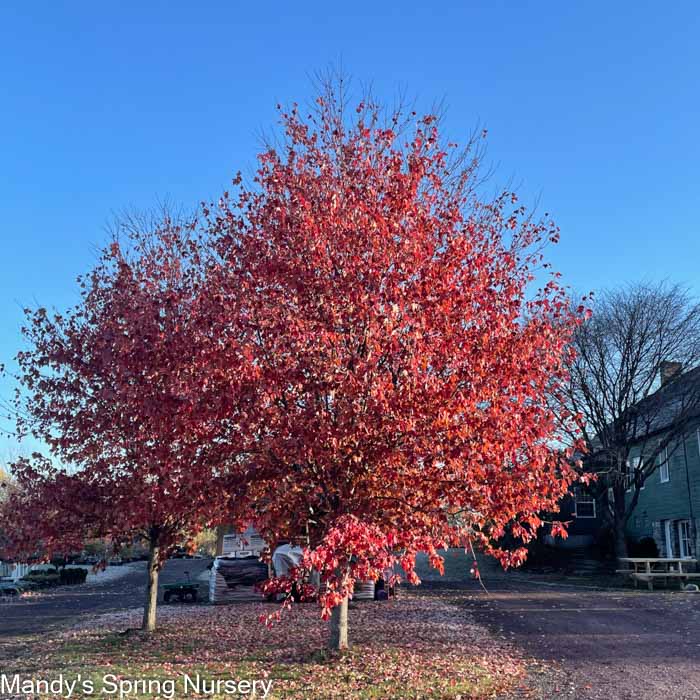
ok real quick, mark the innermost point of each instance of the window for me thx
(677, 539)
(662, 462)
(634, 465)
(684, 537)
(629, 474)
(585, 506)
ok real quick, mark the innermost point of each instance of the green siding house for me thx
(668, 508)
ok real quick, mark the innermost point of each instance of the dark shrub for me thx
(646, 547)
(605, 543)
(71, 577)
(42, 578)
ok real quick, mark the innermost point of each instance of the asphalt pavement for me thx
(61, 607)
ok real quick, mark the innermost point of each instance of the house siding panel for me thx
(677, 499)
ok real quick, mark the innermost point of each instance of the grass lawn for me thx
(419, 646)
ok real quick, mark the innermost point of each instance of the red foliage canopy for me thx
(401, 361)
(112, 387)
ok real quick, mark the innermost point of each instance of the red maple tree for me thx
(112, 387)
(401, 357)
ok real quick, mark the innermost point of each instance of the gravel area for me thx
(587, 639)
(597, 644)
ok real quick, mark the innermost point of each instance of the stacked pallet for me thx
(235, 578)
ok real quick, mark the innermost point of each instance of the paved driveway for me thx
(607, 645)
(60, 607)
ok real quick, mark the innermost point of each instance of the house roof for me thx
(677, 399)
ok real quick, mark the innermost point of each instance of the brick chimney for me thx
(668, 370)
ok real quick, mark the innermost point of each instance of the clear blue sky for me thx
(594, 107)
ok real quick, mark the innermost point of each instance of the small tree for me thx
(629, 384)
(113, 389)
(6, 483)
(48, 512)
(400, 362)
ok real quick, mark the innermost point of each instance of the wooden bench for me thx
(648, 569)
(649, 577)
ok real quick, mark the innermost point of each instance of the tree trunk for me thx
(149, 612)
(619, 522)
(619, 519)
(620, 539)
(339, 626)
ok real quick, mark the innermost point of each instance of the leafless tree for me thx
(635, 382)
